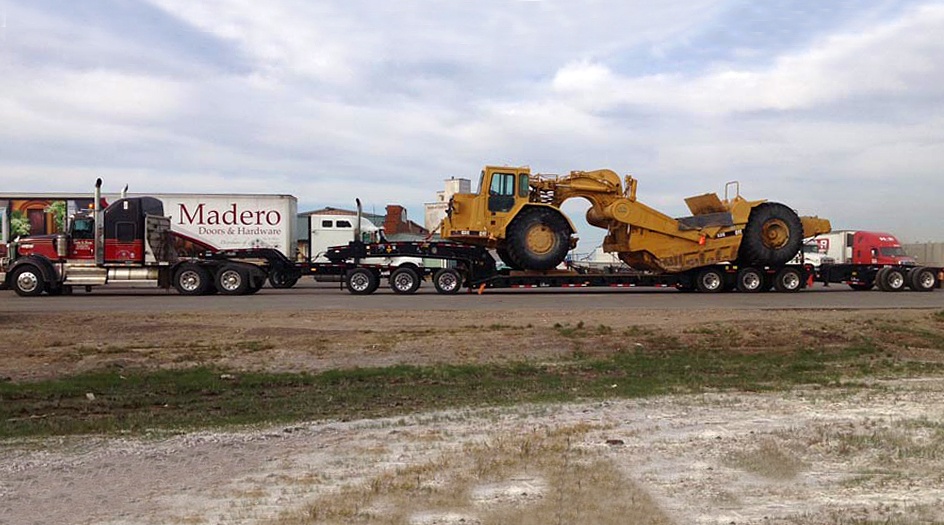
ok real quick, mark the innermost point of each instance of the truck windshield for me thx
(893, 251)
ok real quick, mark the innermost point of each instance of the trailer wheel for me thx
(361, 281)
(710, 280)
(191, 279)
(28, 281)
(773, 235)
(750, 280)
(282, 279)
(537, 239)
(788, 280)
(922, 279)
(893, 279)
(232, 279)
(447, 281)
(861, 287)
(404, 280)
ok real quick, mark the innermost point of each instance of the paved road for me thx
(321, 296)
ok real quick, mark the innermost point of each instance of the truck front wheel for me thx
(191, 279)
(28, 281)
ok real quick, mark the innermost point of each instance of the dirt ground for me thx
(856, 454)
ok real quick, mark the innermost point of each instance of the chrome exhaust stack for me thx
(357, 225)
(357, 231)
(99, 224)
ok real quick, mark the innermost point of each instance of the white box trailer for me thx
(202, 221)
(225, 222)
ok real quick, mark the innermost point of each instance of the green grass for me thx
(142, 401)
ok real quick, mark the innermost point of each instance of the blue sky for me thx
(834, 108)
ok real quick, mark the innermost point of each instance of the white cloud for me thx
(891, 59)
(335, 100)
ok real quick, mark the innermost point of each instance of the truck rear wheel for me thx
(404, 280)
(750, 280)
(447, 281)
(361, 281)
(28, 281)
(232, 279)
(788, 280)
(891, 279)
(191, 279)
(880, 278)
(772, 237)
(537, 239)
(922, 279)
(710, 280)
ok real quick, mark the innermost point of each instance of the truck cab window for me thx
(327, 224)
(124, 231)
(524, 189)
(343, 224)
(83, 229)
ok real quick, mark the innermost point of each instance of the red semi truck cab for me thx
(863, 247)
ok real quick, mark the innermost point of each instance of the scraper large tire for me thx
(772, 237)
(537, 239)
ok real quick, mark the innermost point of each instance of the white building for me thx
(435, 211)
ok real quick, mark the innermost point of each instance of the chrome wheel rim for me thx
(711, 281)
(447, 282)
(189, 280)
(791, 281)
(359, 282)
(403, 282)
(751, 281)
(896, 280)
(27, 281)
(230, 280)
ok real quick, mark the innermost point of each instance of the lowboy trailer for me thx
(474, 268)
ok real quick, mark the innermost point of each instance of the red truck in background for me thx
(862, 247)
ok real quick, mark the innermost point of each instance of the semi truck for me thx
(868, 259)
(733, 244)
(862, 247)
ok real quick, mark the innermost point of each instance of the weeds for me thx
(137, 401)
